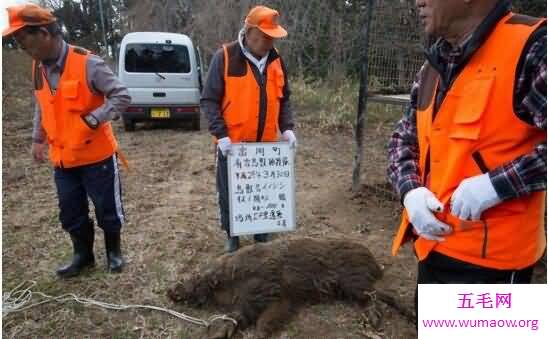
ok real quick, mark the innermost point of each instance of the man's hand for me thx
(38, 151)
(225, 146)
(473, 196)
(420, 203)
(91, 121)
(290, 137)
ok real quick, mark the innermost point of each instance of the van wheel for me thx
(129, 126)
(196, 124)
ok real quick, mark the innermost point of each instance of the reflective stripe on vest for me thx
(71, 142)
(241, 102)
(474, 131)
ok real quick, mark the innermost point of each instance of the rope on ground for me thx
(19, 299)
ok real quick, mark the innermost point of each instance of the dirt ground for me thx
(170, 203)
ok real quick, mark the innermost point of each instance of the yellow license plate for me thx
(160, 113)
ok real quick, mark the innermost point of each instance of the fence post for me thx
(362, 101)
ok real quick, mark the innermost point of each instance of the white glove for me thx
(225, 146)
(420, 203)
(473, 196)
(289, 136)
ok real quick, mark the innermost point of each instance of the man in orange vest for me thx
(468, 158)
(77, 95)
(246, 98)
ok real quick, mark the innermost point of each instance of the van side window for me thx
(161, 58)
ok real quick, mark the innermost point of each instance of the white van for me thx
(163, 75)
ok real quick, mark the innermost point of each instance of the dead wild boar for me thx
(264, 284)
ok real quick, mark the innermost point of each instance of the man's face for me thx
(439, 16)
(37, 44)
(258, 42)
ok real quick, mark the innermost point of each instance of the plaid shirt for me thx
(517, 178)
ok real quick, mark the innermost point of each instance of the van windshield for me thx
(157, 58)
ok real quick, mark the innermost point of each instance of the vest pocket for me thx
(466, 132)
(69, 89)
(472, 234)
(459, 225)
(473, 102)
(80, 134)
(232, 116)
(466, 122)
(470, 108)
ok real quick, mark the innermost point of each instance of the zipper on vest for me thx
(427, 168)
(485, 234)
(263, 105)
(478, 159)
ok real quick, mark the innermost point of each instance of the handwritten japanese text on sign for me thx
(261, 188)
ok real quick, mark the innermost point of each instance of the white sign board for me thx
(261, 187)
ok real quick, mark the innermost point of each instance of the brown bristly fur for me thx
(263, 283)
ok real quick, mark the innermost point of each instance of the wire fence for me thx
(395, 47)
(394, 56)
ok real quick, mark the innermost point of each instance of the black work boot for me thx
(114, 253)
(82, 242)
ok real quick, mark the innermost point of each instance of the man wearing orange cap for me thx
(77, 95)
(246, 98)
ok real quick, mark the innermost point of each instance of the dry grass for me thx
(172, 226)
(332, 105)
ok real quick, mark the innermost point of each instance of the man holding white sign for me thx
(261, 184)
(246, 99)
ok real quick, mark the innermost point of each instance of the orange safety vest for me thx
(474, 131)
(240, 106)
(71, 142)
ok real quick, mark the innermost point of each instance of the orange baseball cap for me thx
(266, 20)
(27, 15)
